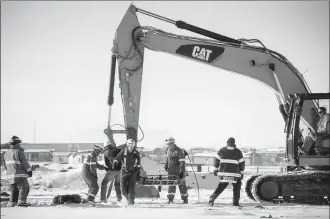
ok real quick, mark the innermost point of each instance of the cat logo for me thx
(205, 53)
(201, 53)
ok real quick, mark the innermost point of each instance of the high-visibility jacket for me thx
(90, 165)
(231, 164)
(17, 165)
(175, 160)
(322, 123)
(130, 161)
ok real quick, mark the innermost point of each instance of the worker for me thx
(18, 170)
(231, 166)
(175, 166)
(322, 135)
(89, 172)
(130, 169)
(110, 153)
(324, 118)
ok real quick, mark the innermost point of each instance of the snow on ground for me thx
(157, 208)
(54, 179)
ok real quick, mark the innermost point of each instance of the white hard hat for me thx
(170, 140)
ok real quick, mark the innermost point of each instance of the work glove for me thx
(166, 168)
(181, 175)
(30, 173)
(215, 172)
(115, 165)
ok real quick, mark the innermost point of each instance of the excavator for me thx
(306, 178)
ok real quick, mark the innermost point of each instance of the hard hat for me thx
(322, 109)
(130, 142)
(15, 140)
(97, 148)
(170, 140)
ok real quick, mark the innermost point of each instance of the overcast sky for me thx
(55, 69)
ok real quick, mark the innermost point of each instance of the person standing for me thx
(113, 173)
(89, 172)
(18, 170)
(130, 169)
(175, 166)
(230, 166)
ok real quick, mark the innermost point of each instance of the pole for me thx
(34, 131)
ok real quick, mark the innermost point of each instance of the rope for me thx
(195, 177)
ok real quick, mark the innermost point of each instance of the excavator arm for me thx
(237, 56)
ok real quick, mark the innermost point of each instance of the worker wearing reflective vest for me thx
(89, 172)
(130, 169)
(175, 166)
(230, 166)
(18, 170)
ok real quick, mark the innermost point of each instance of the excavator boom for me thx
(237, 56)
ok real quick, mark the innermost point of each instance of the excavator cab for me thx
(314, 149)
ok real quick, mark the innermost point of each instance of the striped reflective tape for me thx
(13, 162)
(21, 175)
(228, 161)
(229, 174)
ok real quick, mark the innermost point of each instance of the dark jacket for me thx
(130, 161)
(230, 162)
(175, 160)
(110, 153)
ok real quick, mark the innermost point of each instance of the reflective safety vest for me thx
(231, 164)
(129, 160)
(17, 165)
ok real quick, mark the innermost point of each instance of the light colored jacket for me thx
(17, 165)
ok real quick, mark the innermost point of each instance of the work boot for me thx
(185, 201)
(211, 201)
(170, 201)
(237, 205)
(23, 204)
(11, 204)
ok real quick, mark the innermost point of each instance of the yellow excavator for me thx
(307, 176)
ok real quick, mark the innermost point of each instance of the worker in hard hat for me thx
(175, 166)
(89, 173)
(130, 169)
(230, 166)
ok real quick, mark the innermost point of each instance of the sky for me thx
(55, 70)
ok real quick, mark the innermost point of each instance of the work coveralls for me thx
(110, 153)
(130, 171)
(175, 165)
(231, 166)
(323, 140)
(18, 170)
(89, 175)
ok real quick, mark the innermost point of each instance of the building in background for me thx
(61, 157)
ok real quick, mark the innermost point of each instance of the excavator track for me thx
(248, 185)
(301, 187)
